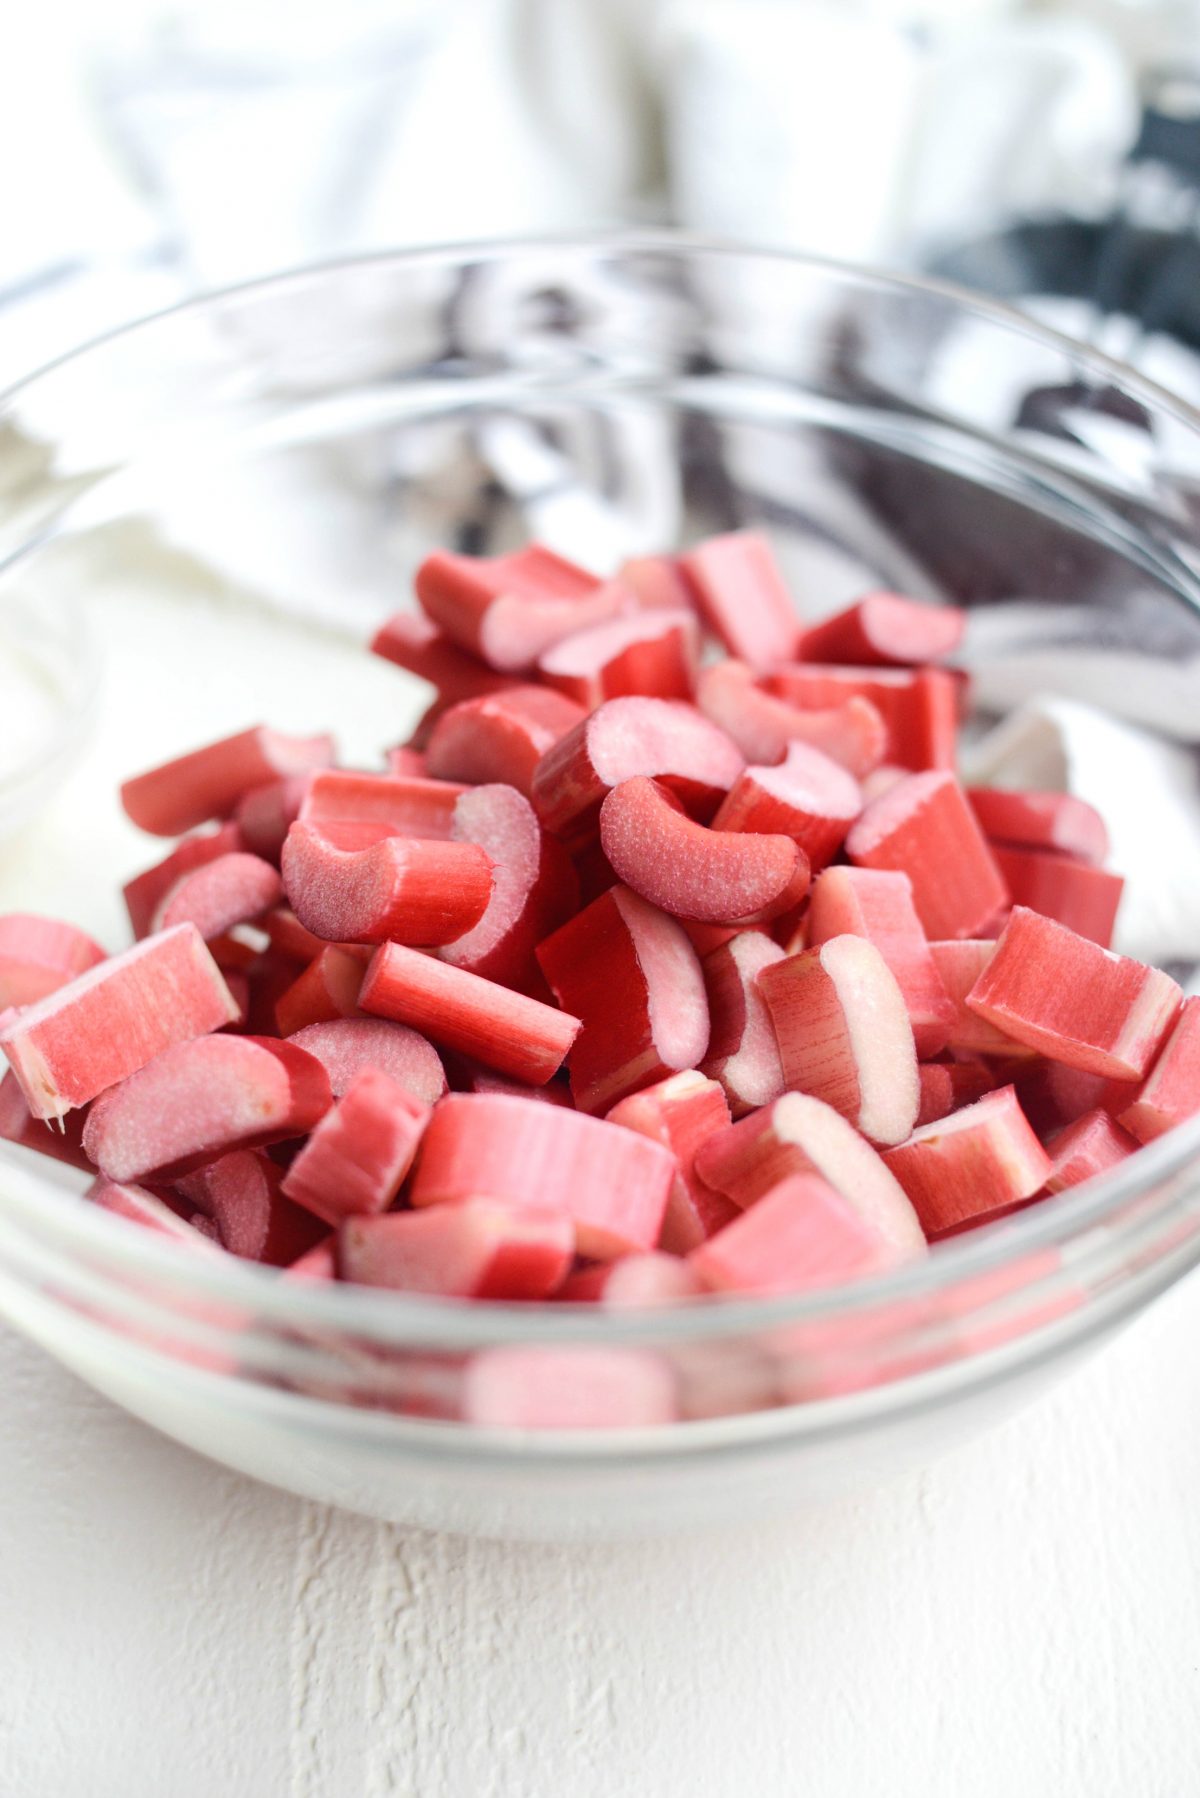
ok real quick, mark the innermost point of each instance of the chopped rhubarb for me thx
(345, 1046)
(886, 630)
(415, 643)
(629, 972)
(209, 782)
(937, 1094)
(516, 1035)
(318, 1264)
(1083, 898)
(407, 762)
(534, 887)
(144, 892)
(39, 955)
(62, 1141)
(406, 889)
(878, 904)
(396, 805)
(1087, 1147)
(1073, 1001)
(242, 1195)
(567, 1388)
(233, 889)
(327, 989)
(716, 876)
(289, 938)
(508, 609)
(109, 1022)
(807, 797)
(801, 1234)
(501, 737)
(1040, 820)
(1172, 1091)
(635, 1280)
(681, 1113)
(959, 965)
(743, 1054)
(976, 1163)
(743, 598)
(197, 1101)
(476, 1249)
(265, 814)
(613, 1183)
(654, 654)
(844, 1034)
(918, 707)
(923, 827)
(357, 1157)
(762, 725)
(658, 583)
(141, 1207)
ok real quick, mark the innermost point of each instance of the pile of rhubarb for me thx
(668, 958)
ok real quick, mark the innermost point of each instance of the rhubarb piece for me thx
(141, 1207)
(356, 1159)
(878, 904)
(844, 1035)
(801, 1135)
(1085, 899)
(265, 814)
(109, 1022)
(395, 805)
(327, 989)
(501, 737)
(743, 1055)
(801, 1234)
(407, 763)
(476, 1249)
(39, 955)
(613, 1183)
(62, 1141)
(651, 653)
(959, 965)
(937, 1095)
(567, 1388)
(1085, 1148)
(534, 887)
(762, 725)
(1172, 1091)
(886, 630)
(628, 971)
(288, 937)
(508, 609)
(918, 708)
(517, 1035)
(233, 889)
(209, 782)
(978, 1162)
(681, 1113)
(716, 876)
(659, 738)
(144, 892)
(407, 889)
(1053, 1096)
(242, 1195)
(317, 1264)
(743, 598)
(1073, 1001)
(634, 1281)
(924, 828)
(1039, 820)
(414, 643)
(346, 1046)
(807, 797)
(199, 1100)
(658, 584)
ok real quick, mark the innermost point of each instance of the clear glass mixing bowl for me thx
(234, 492)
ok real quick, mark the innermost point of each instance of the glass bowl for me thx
(235, 492)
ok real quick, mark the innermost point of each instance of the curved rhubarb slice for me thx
(406, 889)
(508, 609)
(1073, 1001)
(241, 1194)
(1041, 820)
(146, 890)
(878, 905)
(651, 653)
(476, 1249)
(109, 1022)
(198, 1100)
(416, 643)
(501, 737)
(233, 889)
(141, 1207)
(661, 738)
(345, 1046)
(975, 1164)
(743, 598)
(1085, 899)
(918, 707)
(801, 1135)
(743, 1055)
(762, 725)
(395, 804)
(1172, 1091)
(715, 876)
(356, 1159)
(635, 1280)
(265, 814)
(534, 887)
(565, 1388)
(509, 1031)
(886, 630)
(800, 1235)
(1089, 1146)
(681, 1113)
(209, 782)
(612, 1183)
(923, 827)
(327, 989)
(629, 972)
(844, 1035)
(39, 955)
(808, 797)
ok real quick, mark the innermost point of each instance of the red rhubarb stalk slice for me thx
(808, 797)
(407, 889)
(327, 989)
(566, 1388)
(138, 1206)
(209, 782)
(476, 1249)
(802, 1234)
(715, 876)
(397, 805)
(629, 972)
(39, 955)
(534, 887)
(1040, 820)
(918, 708)
(1083, 898)
(1172, 1091)
(923, 827)
(144, 892)
(1073, 1001)
(743, 1055)
(762, 725)
(356, 1159)
(681, 1113)
(508, 609)
(651, 653)
(844, 1035)
(886, 630)
(959, 965)
(1087, 1147)
(634, 1281)
(415, 643)
(107, 1023)
(241, 1194)
(61, 1141)
(743, 598)
(509, 1031)
(501, 737)
(288, 937)
(613, 1183)
(878, 904)
(346, 1046)
(234, 889)
(980, 1161)
(265, 814)
(197, 1101)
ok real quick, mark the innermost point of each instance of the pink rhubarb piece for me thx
(233, 889)
(681, 1113)
(886, 630)
(534, 887)
(416, 643)
(743, 598)
(508, 609)
(265, 814)
(923, 827)
(357, 1157)
(209, 782)
(138, 1206)
(327, 989)
(475, 1249)
(241, 1194)
(1172, 1091)
(1084, 899)
(877, 904)
(501, 737)
(801, 1234)
(851, 733)
(406, 889)
(807, 797)
(567, 1388)
(394, 804)
(1038, 820)
(917, 707)
(743, 1053)
(345, 1046)
(655, 654)
(39, 955)
(1087, 1147)
(144, 892)
(976, 1163)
